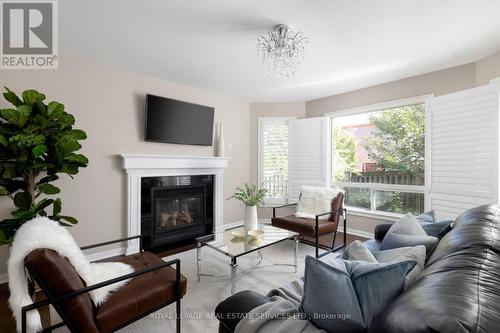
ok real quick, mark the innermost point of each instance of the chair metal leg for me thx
(316, 233)
(178, 315)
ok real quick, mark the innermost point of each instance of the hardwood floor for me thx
(7, 322)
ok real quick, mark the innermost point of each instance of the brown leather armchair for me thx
(153, 285)
(315, 228)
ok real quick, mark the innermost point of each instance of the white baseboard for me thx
(232, 225)
(106, 254)
(357, 232)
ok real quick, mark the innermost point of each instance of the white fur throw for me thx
(316, 200)
(43, 233)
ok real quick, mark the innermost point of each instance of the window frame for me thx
(260, 153)
(373, 187)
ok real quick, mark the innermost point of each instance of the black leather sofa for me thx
(459, 291)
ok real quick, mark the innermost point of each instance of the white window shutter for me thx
(273, 158)
(463, 148)
(309, 155)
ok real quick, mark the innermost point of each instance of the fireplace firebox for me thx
(175, 209)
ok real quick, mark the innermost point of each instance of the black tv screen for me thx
(172, 121)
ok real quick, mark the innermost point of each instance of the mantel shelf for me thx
(137, 161)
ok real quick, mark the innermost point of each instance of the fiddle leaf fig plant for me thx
(38, 142)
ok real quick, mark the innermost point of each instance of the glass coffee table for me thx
(236, 247)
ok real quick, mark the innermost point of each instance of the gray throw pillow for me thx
(415, 253)
(345, 296)
(358, 251)
(408, 232)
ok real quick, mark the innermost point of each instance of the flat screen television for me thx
(172, 121)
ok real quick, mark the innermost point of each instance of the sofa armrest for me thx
(381, 230)
(231, 310)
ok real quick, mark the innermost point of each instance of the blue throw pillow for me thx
(426, 218)
(438, 229)
(345, 296)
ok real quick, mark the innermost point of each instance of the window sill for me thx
(387, 216)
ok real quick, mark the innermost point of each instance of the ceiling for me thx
(210, 44)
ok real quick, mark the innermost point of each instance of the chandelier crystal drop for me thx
(281, 51)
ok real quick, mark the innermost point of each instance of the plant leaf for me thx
(3, 141)
(78, 158)
(55, 110)
(48, 189)
(10, 96)
(68, 145)
(23, 200)
(70, 169)
(70, 219)
(25, 110)
(44, 203)
(39, 150)
(9, 171)
(77, 134)
(14, 117)
(47, 179)
(57, 207)
(23, 214)
(32, 96)
(3, 190)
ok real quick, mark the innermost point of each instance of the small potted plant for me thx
(251, 197)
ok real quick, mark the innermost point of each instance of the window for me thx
(273, 158)
(378, 157)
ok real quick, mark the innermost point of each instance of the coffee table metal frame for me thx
(207, 240)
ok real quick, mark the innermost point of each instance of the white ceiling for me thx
(210, 44)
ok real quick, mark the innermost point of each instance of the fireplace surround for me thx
(173, 170)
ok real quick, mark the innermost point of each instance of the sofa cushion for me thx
(415, 253)
(475, 227)
(438, 229)
(407, 232)
(359, 251)
(142, 293)
(344, 296)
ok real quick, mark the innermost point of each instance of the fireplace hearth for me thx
(175, 209)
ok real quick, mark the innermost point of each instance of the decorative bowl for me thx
(256, 234)
(238, 234)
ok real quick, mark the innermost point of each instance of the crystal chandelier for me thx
(281, 51)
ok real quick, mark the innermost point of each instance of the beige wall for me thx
(257, 110)
(437, 83)
(108, 103)
(488, 69)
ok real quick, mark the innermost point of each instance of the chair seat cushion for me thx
(142, 294)
(305, 227)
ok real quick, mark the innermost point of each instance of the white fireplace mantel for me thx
(138, 166)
